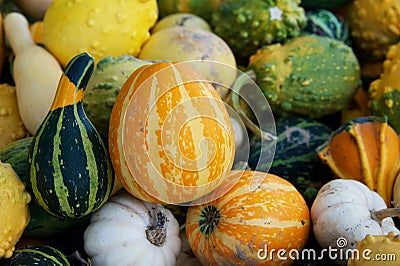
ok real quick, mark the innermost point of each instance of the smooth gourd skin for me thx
(41, 223)
(217, 62)
(103, 87)
(69, 169)
(295, 158)
(35, 71)
(39, 255)
(162, 162)
(181, 19)
(326, 23)
(233, 228)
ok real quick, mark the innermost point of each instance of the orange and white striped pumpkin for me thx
(170, 136)
(245, 225)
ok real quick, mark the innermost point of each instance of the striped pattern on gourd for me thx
(39, 254)
(233, 228)
(295, 158)
(170, 138)
(69, 170)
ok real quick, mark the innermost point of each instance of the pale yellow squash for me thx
(213, 58)
(36, 72)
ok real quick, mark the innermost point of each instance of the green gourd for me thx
(69, 169)
(41, 223)
(295, 158)
(310, 75)
(39, 255)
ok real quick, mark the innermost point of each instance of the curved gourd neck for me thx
(73, 81)
(17, 31)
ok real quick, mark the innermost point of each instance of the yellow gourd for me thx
(376, 250)
(14, 212)
(11, 126)
(99, 27)
(36, 72)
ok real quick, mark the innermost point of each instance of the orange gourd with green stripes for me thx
(68, 169)
(170, 136)
(261, 213)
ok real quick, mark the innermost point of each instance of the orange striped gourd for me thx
(170, 135)
(245, 225)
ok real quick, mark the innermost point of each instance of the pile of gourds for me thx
(199, 132)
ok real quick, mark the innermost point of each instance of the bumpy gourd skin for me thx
(14, 212)
(385, 92)
(383, 247)
(247, 25)
(99, 27)
(310, 75)
(375, 25)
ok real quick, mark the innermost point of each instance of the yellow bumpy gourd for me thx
(374, 25)
(377, 250)
(98, 27)
(14, 212)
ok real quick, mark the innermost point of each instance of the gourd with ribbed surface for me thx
(366, 149)
(69, 169)
(260, 210)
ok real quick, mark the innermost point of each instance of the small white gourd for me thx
(346, 211)
(128, 231)
(36, 72)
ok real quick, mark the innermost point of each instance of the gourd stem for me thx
(156, 232)
(239, 83)
(385, 213)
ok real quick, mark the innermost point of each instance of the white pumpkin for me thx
(343, 213)
(128, 231)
